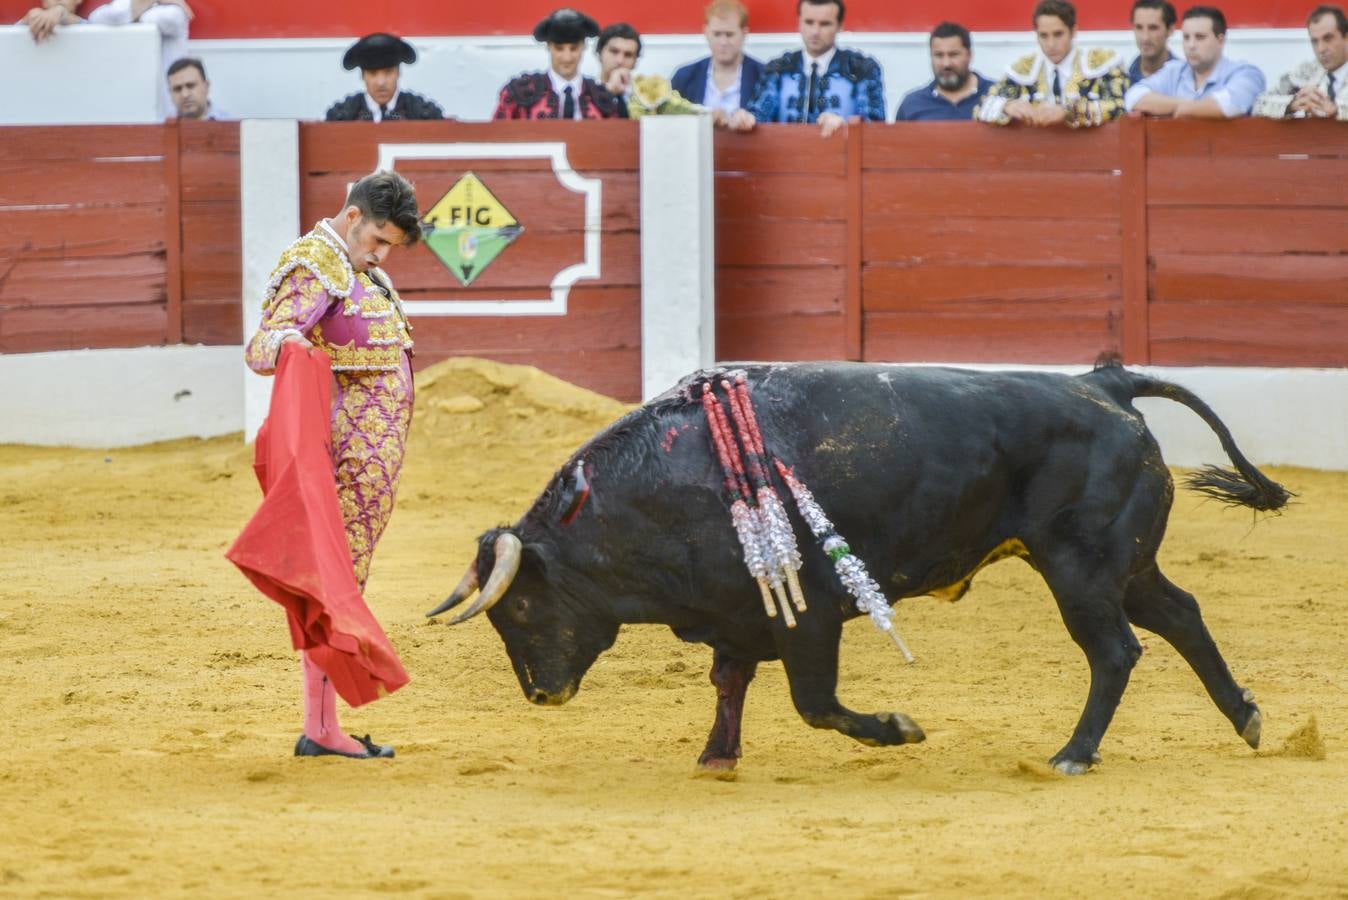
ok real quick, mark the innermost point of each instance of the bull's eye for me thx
(521, 605)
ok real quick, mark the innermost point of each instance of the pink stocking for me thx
(320, 711)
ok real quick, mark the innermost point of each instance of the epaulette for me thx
(1025, 70)
(787, 62)
(320, 256)
(1097, 61)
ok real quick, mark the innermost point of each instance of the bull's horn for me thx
(467, 584)
(508, 549)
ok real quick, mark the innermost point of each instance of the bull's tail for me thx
(1244, 485)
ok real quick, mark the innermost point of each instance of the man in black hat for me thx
(561, 92)
(380, 57)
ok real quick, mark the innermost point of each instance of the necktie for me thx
(569, 103)
(1057, 85)
(809, 91)
(383, 113)
(1331, 87)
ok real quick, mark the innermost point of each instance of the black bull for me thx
(928, 473)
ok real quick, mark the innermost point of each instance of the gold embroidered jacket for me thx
(1092, 96)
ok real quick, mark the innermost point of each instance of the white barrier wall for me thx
(66, 79)
(82, 75)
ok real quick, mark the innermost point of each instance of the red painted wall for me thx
(336, 18)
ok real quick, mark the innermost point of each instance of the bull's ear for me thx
(577, 491)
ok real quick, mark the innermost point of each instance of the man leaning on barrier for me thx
(956, 89)
(820, 84)
(1153, 24)
(1060, 83)
(561, 92)
(1205, 84)
(723, 82)
(1317, 88)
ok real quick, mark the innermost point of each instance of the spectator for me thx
(723, 82)
(42, 20)
(1203, 85)
(1059, 83)
(1153, 24)
(380, 57)
(191, 92)
(561, 92)
(822, 83)
(619, 47)
(956, 89)
(1319, 87)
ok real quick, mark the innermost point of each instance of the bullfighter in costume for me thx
(561, 92)
(1059, 83)
(820, 83)
(380, 57)
(329, 293)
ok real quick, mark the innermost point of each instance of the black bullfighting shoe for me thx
(306, 747)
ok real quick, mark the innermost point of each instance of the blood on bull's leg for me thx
(731, 678)
(809, 653)
(1153, 602)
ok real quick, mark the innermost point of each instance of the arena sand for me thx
(151, 701)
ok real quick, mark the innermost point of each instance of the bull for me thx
(930, 473)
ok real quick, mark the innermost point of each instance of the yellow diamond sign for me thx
(468, 228)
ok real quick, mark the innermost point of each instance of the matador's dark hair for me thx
(842, 10)
(1060, 8)
(388, 197)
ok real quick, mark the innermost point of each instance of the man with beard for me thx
(561, 92)
(1203, 85)
(380, 57)
(1153, 24)
(956, 89)
(1317, 88)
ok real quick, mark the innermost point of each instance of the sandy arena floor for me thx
(152, 700)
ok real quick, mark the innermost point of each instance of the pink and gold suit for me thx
(358, 320)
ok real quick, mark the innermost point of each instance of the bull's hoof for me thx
(717, 763)
(1254, 724)
(1074, 766)
(905, 730)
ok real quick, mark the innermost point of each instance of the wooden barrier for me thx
(1176, 243)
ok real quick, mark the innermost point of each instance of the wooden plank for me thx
(992, 194)
(107, 182)
(1249, 333)
(781, 149)
(745, 195)
(1178, 181)
(353, 146)
(931, 287)
(777, 290)
(1286, 280)
(206, 136)
(217, 321)
(613, 373)
(93, 282)
(1010, 338)
(929, 239)
(976, 147)
(530, 262)
(852, 319)
(780, 337)
(1252, 137)
(1252, 230)
(41, 328)
(1134, 245)
(173, 238)
(50, 143)
(780, 242)
(596, 318)
(95, 231)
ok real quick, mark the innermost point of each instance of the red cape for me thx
(294, 548)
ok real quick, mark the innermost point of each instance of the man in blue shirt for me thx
(956, 89)
(822, 83)
(1153, 24)
(1205, 85)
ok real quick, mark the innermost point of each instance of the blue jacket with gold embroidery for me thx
(853, 85)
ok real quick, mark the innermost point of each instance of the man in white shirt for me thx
(561, 92)
(724, 81)
(1317, 88)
